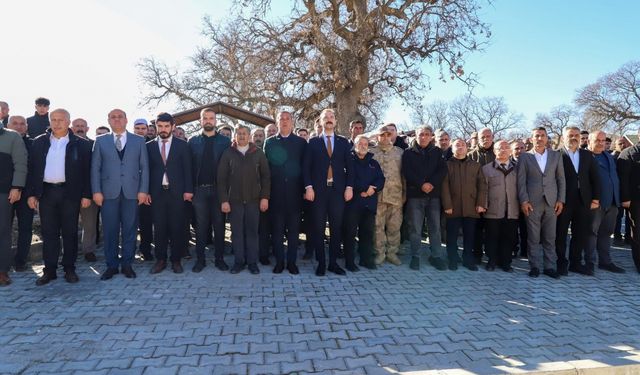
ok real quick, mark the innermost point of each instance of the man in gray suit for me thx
(541, 191)
(120, 182)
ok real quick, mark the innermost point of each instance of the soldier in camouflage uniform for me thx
(390, 199)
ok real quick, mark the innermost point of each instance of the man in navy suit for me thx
(170, 185)
(58, 184)
(328, 180)
(120, 182)
(285, 151)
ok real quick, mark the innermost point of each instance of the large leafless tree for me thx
(352, 55)
(469, 114)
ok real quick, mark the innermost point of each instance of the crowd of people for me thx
(506, 198)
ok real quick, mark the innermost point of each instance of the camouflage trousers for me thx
(388, 222)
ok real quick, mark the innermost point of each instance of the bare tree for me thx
(557, 119)
(352, 55)
(614, 99)
(469, 114)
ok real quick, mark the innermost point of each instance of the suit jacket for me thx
(317, 161)
(586, 182)
(178, 168)
(76, 166)
(629, 171)
(110, 175)
(285, 156)
(538, 187)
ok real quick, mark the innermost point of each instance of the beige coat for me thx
(501, 192)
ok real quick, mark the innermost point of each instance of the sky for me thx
(83, 55)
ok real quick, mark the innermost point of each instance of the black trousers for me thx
(579, 217)
(359, 222)
(522, 235)
(145, 224)
(168, 221)
(264, 234)
(480, 239)
(502, 235)
(58, 215)
(206, 206)
(24, 214)
(328, 203)
(285, 222)
(634, 213)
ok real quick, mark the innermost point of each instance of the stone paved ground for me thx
(385, 321)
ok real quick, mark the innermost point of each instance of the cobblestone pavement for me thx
(384, 321)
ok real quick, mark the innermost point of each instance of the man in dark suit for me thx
(58, 184)
(170, 185)
(328, 180)
(285, 151)
(583, 196)
(541, 192)
(120, 182)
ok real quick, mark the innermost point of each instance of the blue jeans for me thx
(417, 209)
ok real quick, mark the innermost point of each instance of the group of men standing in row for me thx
(359, 191)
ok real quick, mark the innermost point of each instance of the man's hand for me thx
(148, 200)
(558, 208)
(371, 191)
(187, 197)
(32, 202)
(481, 210)
(85, 202)
(142, 198)
(348, 194)
(14, 195)
(426, 187)
(98, 198)
(595, 204)
(225, 207)
(449, 211)
(626, 204)
(309, 194)
(527, 208)
(264, 205)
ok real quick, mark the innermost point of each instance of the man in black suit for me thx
(58, 185)
(170, 185)
(328, 179)
(583, 196)
(284, 152)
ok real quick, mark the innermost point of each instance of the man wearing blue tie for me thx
(120, 182)
(328, 179)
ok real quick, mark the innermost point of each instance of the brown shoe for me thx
(4, 279)
(176, 267)
(159, 266)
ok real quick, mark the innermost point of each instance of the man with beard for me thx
(145, 223)
(356, 127)
(258, 137)
(206, 151)
(270, 130)
(583, 197)
(170, 185)
(584, 139)
(328, 179)
(443, 142)
(4, 114)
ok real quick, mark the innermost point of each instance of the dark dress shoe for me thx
(490, 267)
(158, 267)
(320, 271)
(292, 268)
(336, 269)
(470, 266)
(507, 269)
(90, 257)
(71, 277)
(198, 266)
(128, 272)
(577, 268)
(611, 268)
(237, 268)
(148, 257)
(177, 267)
(352, 268)
(453, 266)
(221, 265)
(551, 273)
(563, 270)
(439, 264)
(534, 272)
(109, 273)
(253, 268)
(20, 268)
(265, 261)
(46, 278)
(5, 280)
(370, 265)
(415, 263)
(279, 267)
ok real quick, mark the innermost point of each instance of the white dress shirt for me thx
(54, 171)
(123, 139)
(165, 180)
(575, 158)
(541, 159)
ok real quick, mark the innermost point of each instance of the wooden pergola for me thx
(225, 109)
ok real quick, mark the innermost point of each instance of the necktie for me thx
(330, 152)
(118, 142)
(164, 151)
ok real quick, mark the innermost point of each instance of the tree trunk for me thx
(346, 110)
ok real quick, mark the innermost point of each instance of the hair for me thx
(586, 132)
(238, 127)
(355, 122)
(103, 128)
(359, 137)
(394, 125)
(485, 129)
(205, 110)
(298, 130)
(609, 139)
(594, 134)
(541, 128)
(458, 139)
(423, 128)
(4, 104)
(571, 127)
(63, 111)
(165, 117)
(80, 119)
(225, 126)
(43, 101)
(119, 110)
(441, 132)
(11, 118)
(495, 144)
(280, 114)
(153, 125)
(255, 130)
(327, 110)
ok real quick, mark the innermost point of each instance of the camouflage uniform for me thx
(390, 200)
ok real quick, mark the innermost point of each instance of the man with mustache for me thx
(583, 196)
